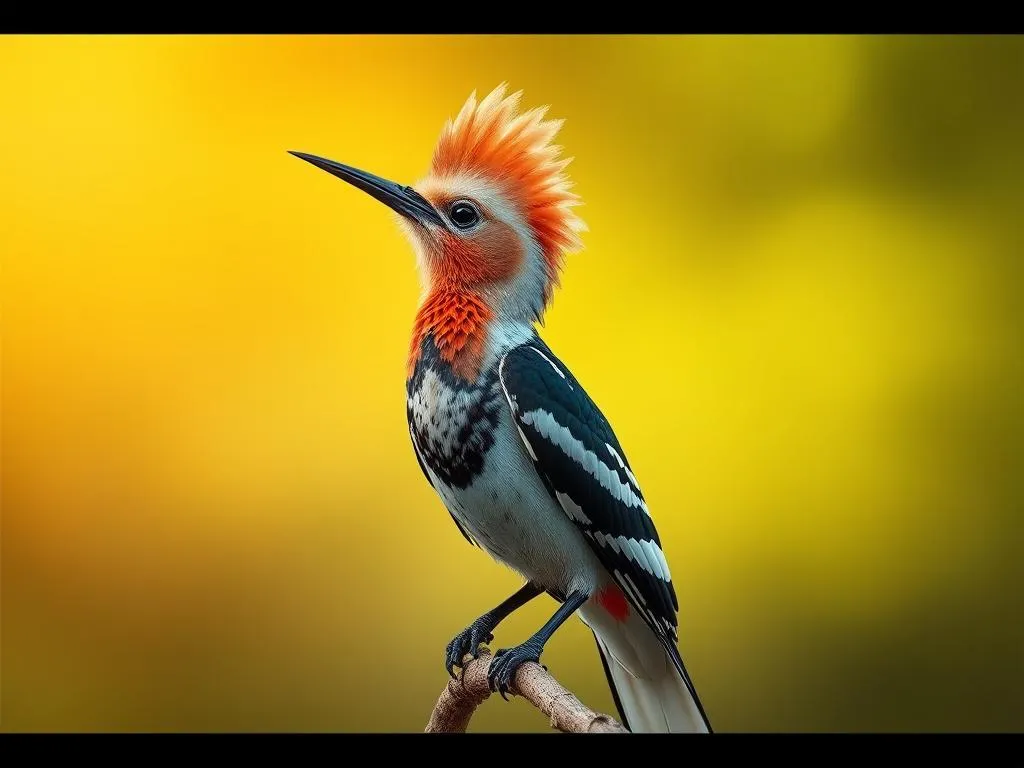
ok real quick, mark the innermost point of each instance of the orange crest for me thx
(492, 140)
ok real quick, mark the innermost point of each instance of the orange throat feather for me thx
(457, 321)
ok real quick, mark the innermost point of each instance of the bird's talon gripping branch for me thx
(506, 662)
(481, 631)
(457, 703)
(467, 643)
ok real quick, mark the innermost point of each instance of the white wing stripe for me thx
(572, 509)
(622, 465)
(644, 552)
(560, 436)
(657, 560)
(557, 369)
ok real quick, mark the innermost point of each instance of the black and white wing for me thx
(577, 454)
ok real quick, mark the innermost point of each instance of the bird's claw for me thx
(505, 663)
(467, 641)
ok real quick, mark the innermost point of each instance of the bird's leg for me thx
(507, 661)
(469, 639)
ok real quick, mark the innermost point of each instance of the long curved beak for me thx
(405, 200)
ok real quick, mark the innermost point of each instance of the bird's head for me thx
(494, 216)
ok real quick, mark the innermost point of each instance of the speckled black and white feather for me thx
(469, 449)
(452, 421)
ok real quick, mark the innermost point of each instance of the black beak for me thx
(406, 200)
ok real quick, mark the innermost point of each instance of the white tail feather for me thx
(648, 686)
(661, 704)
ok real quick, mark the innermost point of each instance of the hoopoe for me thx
(524, 461)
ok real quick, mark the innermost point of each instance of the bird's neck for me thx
(468, 333)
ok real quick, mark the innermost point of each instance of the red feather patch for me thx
(613, 601)
(458, 323)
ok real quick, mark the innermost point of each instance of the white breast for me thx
(509, 512)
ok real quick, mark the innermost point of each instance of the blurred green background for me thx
(799, 304)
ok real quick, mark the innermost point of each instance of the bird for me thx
(524, 461)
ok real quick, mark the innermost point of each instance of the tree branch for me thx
(461, 697)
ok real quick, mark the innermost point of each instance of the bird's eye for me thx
(464, 214)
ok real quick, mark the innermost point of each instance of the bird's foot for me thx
(468, 641)
(507, 661)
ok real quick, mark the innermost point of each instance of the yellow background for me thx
(799, 304)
